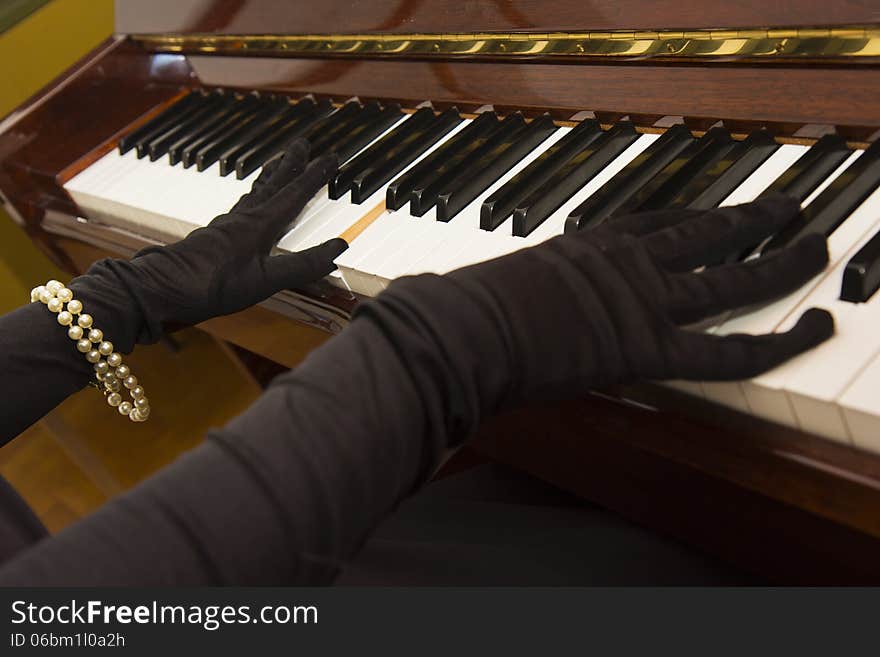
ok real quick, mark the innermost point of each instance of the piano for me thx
(469, 132)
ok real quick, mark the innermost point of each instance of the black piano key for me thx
(802, 178)
(329, 124)
(230, 109)
(159, 145)
(690, 164)
(141, 145)
(574, 174)
(356, 139)
(273, 144)
(410, 129)
(615, 193)
(291, 112)
(861, 276)
(325, 139)
(501, 203)
(250, 126)
(398, 158)
(726, 174)
(471, 137)
(502, 155)
(292, 124)
(831, 208)
(811, 168)
(426, 194)
(161, 121)
(237, 115)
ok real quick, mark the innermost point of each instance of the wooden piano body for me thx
(790, 506)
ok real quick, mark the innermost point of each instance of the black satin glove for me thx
(225, 266)
(607, 306)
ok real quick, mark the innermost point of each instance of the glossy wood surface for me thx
(785, 95)
(695, 481)
(345, 16)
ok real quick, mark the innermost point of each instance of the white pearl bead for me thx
(75, 332)
(114, 399)
(122, 371)
(130, 382)
(106, 376)
(55, 305)
(125, 408)
(114, 359)
(96, 335)
(35, 293)
(85, 320)
(65, 318)
(142, 403)
(101, 367)
(83, 345)
(64, 294)
(93, 356)
(74, 306)
(137, 392)
(45, 295)
(144, 413)
(135, 416)
(53, 286)
(112, 383)
(106, 348)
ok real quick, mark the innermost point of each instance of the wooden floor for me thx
(83, 452)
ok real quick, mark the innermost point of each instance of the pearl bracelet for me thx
(109, 369)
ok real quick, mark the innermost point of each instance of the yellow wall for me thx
(32, 53)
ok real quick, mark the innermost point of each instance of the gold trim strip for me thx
(850, 44)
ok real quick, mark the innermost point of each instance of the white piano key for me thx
(555, 224)
(804, 391)
(322, 199)
(393, 259)
(859, 406)
(325, 224)
(762, 177)
(164, 201)
(729, 392)
(502, 240)
(768, 318)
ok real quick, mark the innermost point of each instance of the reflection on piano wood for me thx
(445, 163)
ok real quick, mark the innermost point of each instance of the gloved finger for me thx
(287, 167)
(283, 208)
(276, 173)
(286, 271)
(643, 223)
(708, 357)
(717, 233)
(696, 296)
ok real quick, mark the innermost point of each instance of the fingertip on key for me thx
(816, 325)
(336, 246)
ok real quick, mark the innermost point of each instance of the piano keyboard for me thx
(425, 191)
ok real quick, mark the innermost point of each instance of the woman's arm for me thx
(40, 364)
(288, 491)
(216, 270)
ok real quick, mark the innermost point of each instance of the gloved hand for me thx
(223, 267)
(606, 306)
